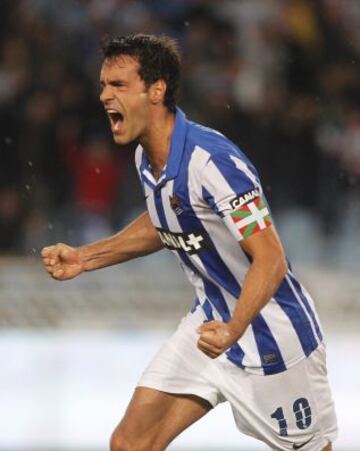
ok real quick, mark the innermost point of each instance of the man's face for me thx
(125, 98)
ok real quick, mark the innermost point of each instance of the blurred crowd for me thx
(278, 77)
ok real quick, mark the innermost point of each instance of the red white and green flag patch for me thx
(249, 219)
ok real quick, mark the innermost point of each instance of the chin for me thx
(121, 140)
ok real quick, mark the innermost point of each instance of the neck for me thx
(156, 141)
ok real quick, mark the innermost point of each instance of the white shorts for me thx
(287, 411)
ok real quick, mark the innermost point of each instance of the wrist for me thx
(237, 328)
(83, 258)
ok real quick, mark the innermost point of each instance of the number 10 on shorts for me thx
(302, 412)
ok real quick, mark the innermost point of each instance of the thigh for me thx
(179, 367)
(154, 418)
(290, 410)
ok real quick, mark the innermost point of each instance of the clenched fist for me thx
(62, 262)
(216, 337)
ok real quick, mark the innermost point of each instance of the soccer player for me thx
(253, 337)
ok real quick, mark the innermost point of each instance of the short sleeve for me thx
(232, 189)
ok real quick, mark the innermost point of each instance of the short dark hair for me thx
(158, 56)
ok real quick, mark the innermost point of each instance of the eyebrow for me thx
(114, 82)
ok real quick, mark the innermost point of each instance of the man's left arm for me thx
(268, 268)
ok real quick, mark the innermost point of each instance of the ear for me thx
(157, 92)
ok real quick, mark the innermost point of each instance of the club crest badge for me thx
(175, 204)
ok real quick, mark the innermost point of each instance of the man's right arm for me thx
(139, 238)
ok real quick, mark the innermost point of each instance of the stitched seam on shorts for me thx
(314, 397)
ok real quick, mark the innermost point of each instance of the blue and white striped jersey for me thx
(209, 197)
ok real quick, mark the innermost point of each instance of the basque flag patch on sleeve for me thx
(248, 219)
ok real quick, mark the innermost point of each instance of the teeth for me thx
(112, 111)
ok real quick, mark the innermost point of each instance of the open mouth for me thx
(116, 119)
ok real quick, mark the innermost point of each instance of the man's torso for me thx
(190, 205)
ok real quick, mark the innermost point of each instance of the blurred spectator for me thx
(96, 175)
(14, 74)
(11, 221)
(339, 142)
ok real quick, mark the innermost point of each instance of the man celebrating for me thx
(253, 337)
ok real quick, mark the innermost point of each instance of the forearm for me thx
(268, 268)
(261, 282)
(137, 239)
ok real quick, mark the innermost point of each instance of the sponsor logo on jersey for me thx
(239, 201)
(270, 358)
(192, 242)
(175, 204)
(251, 217)
(300, 445)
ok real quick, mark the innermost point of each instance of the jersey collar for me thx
(177, 145)
(176, 151)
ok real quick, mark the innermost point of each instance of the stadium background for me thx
(279, 77)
